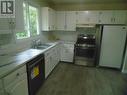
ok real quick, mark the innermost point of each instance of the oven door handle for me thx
(88, 47)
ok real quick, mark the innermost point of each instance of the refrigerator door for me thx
(112, 47)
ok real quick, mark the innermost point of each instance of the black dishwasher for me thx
(36, 74)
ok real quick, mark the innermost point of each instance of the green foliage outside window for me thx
(33, 20)
(21, 35)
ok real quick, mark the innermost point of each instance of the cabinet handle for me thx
(112, 19)
(124, 27)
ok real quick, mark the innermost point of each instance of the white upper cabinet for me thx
(60, 22)
(120, 17)
(105, 17)
(71, 21)
(66, 20)
(48, 19)
(87, 17)
(112, 17)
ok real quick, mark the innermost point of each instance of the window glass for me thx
(31, 26)
(24, 34)
(33, 16)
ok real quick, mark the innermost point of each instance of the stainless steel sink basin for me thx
(42, 47)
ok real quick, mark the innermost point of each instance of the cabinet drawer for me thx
(14, 75)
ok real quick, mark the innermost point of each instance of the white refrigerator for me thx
(112, 46)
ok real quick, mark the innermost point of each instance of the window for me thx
(31, 24)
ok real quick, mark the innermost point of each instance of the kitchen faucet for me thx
(36, 43)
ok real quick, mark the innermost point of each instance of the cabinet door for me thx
(47, 66)
(18, 87)
(67, 52)
(120, 17)
(50, 19)
(53, 19)
(60, 16)
(92, 17)
(106, 17)
(80, 17)
(71, 21)
(87, 17)
(45, 18)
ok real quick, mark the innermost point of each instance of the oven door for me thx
(87, 51)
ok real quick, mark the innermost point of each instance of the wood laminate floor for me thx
(68, 79)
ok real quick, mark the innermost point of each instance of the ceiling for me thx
(84, 1)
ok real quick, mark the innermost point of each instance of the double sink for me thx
(7, 59)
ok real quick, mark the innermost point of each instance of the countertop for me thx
(19, 59)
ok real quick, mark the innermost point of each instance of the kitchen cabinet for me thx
(112, 47)
(120, 17)
(16, 82)
(51, 59)
(67, 52)
(112, 17)
(105, 17)
(47, 63)
(70, 21)
(61, 20)
(66, 20)
(48, 19)
(87, 17)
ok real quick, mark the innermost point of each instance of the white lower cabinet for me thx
(47, 66)
(67, 52)
(51, 60)
(16, 82)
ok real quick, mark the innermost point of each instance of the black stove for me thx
(85, 49)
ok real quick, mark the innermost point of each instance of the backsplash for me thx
(67, 35)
